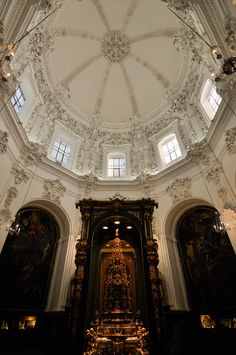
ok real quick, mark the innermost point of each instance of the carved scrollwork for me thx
(148, 206)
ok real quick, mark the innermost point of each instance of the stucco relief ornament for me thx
(179, 103)
(11, 195)
(20, 175)
(224, 196)
(180, 189)
(228, 217)
(5, 216)
(230, 140)
(3, 141)
(53, 190)
(144, 183)
(213, 174)
(177, 4)
(90, 180)
(199, 152)
(115, 46)
(32, 154)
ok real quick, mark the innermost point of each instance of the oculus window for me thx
(18, 99)
(61, 151)
(116, 165)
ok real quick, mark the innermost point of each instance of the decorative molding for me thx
(230, 140)
(3, 141)
(144, 182)
(162, 33)
(200, 152)
(101, 13)
(89, 181)
(131, 9)
(115, 46)
(32, 154)
(228, 217)
(213, 174)
(20, 175)
(180, 189)
(179, 5)
(53, 190)
(5, 216)
(225, 198)
(165, 83)
(62, 31)
(12, 193)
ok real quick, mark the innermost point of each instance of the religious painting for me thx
(208, 259)
(26, 260)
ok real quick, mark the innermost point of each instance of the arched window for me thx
(169, 149)
(210, 99)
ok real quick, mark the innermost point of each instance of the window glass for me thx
(214, 99)
(116, 167)
(170, 150)
(61, 151)
(18, 99)
(210, 100)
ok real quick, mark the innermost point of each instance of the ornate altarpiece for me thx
(115, 302)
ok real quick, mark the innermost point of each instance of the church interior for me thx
(118, 177)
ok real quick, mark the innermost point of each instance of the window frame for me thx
(63, 152)
(172, 152)
(16, 99)
(116, 166)
(208, 94)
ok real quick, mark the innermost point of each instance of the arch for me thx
(58, 212)
(99, 238)
(175, 213)
(208, 259)
(27, 260)
(58, 288)
(175, 286)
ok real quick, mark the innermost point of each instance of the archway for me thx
(27, 259)
(116, 303)
(208, 260)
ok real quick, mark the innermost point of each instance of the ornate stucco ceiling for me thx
(115, 59)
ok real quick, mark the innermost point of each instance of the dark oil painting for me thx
(26, 261)
(208, 259)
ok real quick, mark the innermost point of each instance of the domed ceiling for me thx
(115, 59)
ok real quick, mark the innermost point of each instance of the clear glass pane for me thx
(167, 159)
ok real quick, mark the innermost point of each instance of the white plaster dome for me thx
(116, 59)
